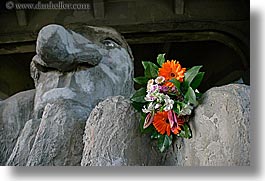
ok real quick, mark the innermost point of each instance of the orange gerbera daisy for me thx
(167, 121)
(171, 69)
(161, 123)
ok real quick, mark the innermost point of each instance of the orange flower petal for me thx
(160, 123)
(168, 130)
(171, 69)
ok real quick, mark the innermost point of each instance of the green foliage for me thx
(155, 135)
(185, 131)
(190, 75)
(138, 106)
(190, 96)
(164, 141)
(192, 80)
(176, 83)
(139, 95)
(178, 106)
(197, 80)
(141, 80)
(198, 95)
(160, 59)
(150, 69)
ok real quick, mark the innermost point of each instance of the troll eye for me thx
(110, 43)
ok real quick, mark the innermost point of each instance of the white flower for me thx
(149, 85)
(150, 97)
(149, 109)
(160, 80)
(154, 88)
(153, 94)
(151, 81)
(167, 99)
(168, 103)
(158, 106)
(168, 107)
(160, 97)
(148, 88)
(186, 110)
(145, 110)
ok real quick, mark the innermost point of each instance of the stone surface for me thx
(112, 137)
(14, 113)
(63, 50)
(87, 69)
(21, 151)
(72, 72)
(220, 130)
(59, 137)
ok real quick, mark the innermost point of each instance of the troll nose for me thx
(63, 50)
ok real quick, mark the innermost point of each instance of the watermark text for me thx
(61, 5)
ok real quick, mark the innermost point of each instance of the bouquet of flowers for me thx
(167, 99)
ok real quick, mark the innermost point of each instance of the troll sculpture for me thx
(72, 72)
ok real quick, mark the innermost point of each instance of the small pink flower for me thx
(148, 120)
(174, 122)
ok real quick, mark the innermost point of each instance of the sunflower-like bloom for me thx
(171, 69)
(161, 123)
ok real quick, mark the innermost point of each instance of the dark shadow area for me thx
(220, 63)
(15, 74)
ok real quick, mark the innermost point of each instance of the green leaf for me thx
(198, 95)
(197, 80)
(176, 83)
(139, 95)
(141, 80)
(160, 59)
(191, 74)
(155, 135)
(164, 141)
(178, 106)
(150, 69)
(185, 132)
(138, 106)
(190, 96)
